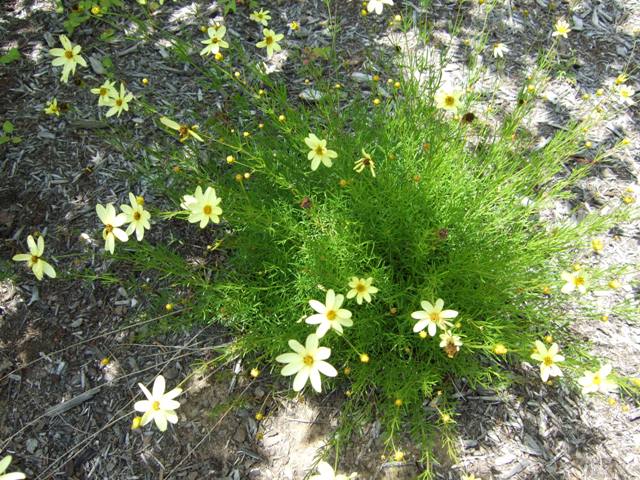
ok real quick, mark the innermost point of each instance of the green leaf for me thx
(107, 62)
(107, 35)
(11, 56)
(4, 139)
(7, 127)
(16, 139)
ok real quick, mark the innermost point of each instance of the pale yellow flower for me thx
(433, 317)
(562, 28)
(68, 57)
(548, 359)
(262, 17)
(499, 49)
(378, 5)
(307, 363)
(119, 102)
(4, 464)
(319, 152)
(112, 223)
(575, 281)
(202, 207)
(184, 131)
(270, 42)
(620, 79)
(52, 107)
(105, 91)
(215, 41)
(364, 162)
(159, 406)
(326, 472)
(361, 289)
(597, 244)
(294, 26)
(137, 216)
(34, 259)
(448, 98)
(625, 94)
(329, 315)
(597, 381)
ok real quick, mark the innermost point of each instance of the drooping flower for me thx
(159, 406)
(119, 102)
(448, 98)
(105, 91)
(361, 289)
(597, 244)
(378, 5)
(68, 57)
(137, 216)
(548, 359)
(319, 152)
(270, 42)
(184, 131)
(329, 315)
(597, 381)
(499, 49)
(326, 472)
(34, 259)
(215, 41)
(112, 223)
(52, 107)
(262, 17)
(4, 464)
(575, 281)
(450, 343)
(620, 79)
(202, 207)
(433, 317)
(562, 28)
(307, 363)
(364, 162)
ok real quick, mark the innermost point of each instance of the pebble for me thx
(31, 444)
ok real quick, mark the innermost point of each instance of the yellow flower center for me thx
(215, 40)
(624, 93)
(68, 54)
(331, 315)
(361, 287)
(119, 102)
(184, 131)
(449, 101)
(578, 281)
(434, 316)
(319, 150)
(207, 210)
(547, 360)
(268, 40)
(308, 360)
(103, 92)
(34, 259)
(136, 215)
(597, 380)
(155, 405)
(108, 229)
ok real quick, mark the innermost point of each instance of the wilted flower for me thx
(184, 131)
(262, 17)
(562, 28)
(361, 289)
(378, 5)
(202, 207)
(112, 224)
(597, 381)
(307, 363)
(119, 102)
(34, 260)
(548, 359)
(499, 49)
(364, 162)
(158, 406)
(433, 317)
(450, 343)
(105, 91)
(137, 216)
(52, 107)
(319, 152)
(68, 57)
(4, 464)
(215, 41)
(270, 42)
(329, 315)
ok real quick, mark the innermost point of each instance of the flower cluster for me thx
(134, 214)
